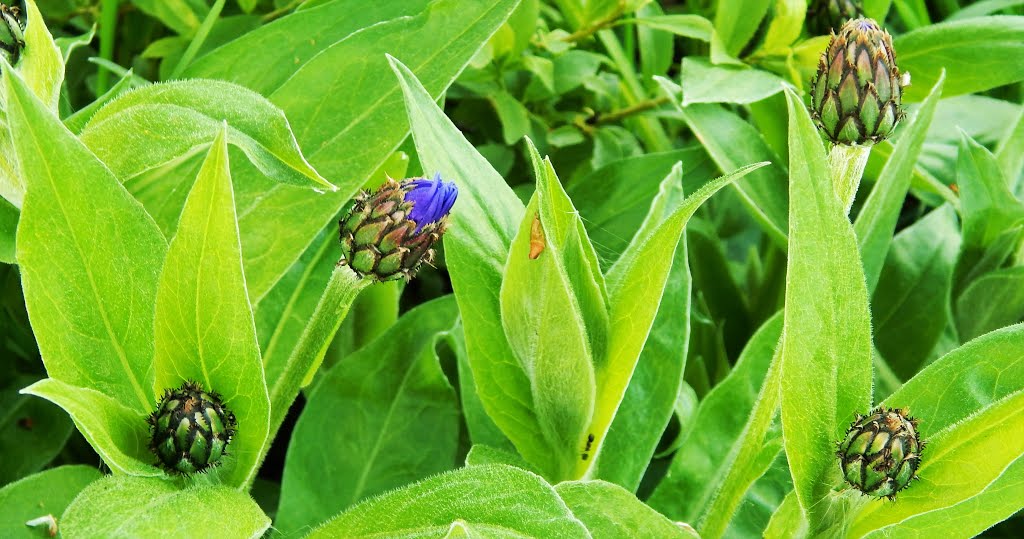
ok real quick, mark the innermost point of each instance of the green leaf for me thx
(636, 283)
(496, 500)
(483, 455)
(737, 22)
(367, 409)
(202, 290)
(120, 435)
(826, 348)
(729, 445)
(184, 116)
(552, 274)
(788, 521)
(910, 307)
(787, 23)
(32, 432)
(761, 501)
(119, 506)
(357, 105)
(483, 224)
(45, 493)
(972, 51)
(694, 27)
(650, 398)
(41, 65)
(877, 219)
(608, 510)
(9, 215)
(89, 256)
(978, 311)
(730, 142)
(77, 121)
(958, 464)
(703, 82)
(1010, 153)
(965, 380)
(483, 431)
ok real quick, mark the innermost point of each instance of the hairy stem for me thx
(847, 166)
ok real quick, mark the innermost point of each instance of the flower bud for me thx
(856, 95)
(191, 429)
(881, 452)
(388, 234)
(12, 33)
(824, 16)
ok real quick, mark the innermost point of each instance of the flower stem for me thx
(108, 27)
(342, 290)
(847, 165)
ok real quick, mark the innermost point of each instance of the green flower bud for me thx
(856, 95)
(881, 452)
(190, 429)
(824, 16)
(388, 234)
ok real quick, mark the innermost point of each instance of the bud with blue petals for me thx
(389, 233)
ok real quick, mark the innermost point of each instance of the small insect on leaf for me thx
(46, 520)
(536, 238)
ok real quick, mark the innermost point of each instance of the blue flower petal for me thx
(432, 199)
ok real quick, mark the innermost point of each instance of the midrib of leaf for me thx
(121, 356)
(292, 300)
(199, 276)
(361, 483)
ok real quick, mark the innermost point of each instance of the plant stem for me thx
(108, 27)
(650, 131)
(283, 10)
(594, 27)
(637, 108)
(198, 39)
(847, 166)
(341, 292)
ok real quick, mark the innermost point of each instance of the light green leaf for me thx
(89, 256)
(787, 23)
(989, 209)
(650, 398)
(8, 224)
(694, 27)
(910, 307)
(498, 500)
(958, 464)
(788, 521)
(76, 122)
(484, 222)
(41, 65)
(729, 444)
(118, 506)
(731, 142)
(202, 291)
(483, 431)
(636, 283)
(1010, 154)
(45, 493)
(826, 348)
(972, 51)
(184, 116)
(182, 16)
(608, 510)
(703, 82)
(877, 219)
(982, 8)
(990, 302)
(483, 455)
(353, 438)
(120, 435)
(357, 105)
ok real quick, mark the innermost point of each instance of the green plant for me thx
(653, 310)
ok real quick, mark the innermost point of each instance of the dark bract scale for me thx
(12, 33)
(190, 429)
(391, 232)
(857, 93)
(881, 452)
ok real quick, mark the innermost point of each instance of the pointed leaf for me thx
(45, 493)
(608, 510)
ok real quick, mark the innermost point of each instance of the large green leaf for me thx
(910, 307)
(119, 506)
(736, 22)
(152, 126)
(729, 445)
(826, 348)
(977, 309)
(608, 510)
(703, 82)
(973, 52)
(353, 438)
(89, 256)
(877, 218)
(120, 435)
(45, 493)
(492, 500)
(484, 222)
(202, 291)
